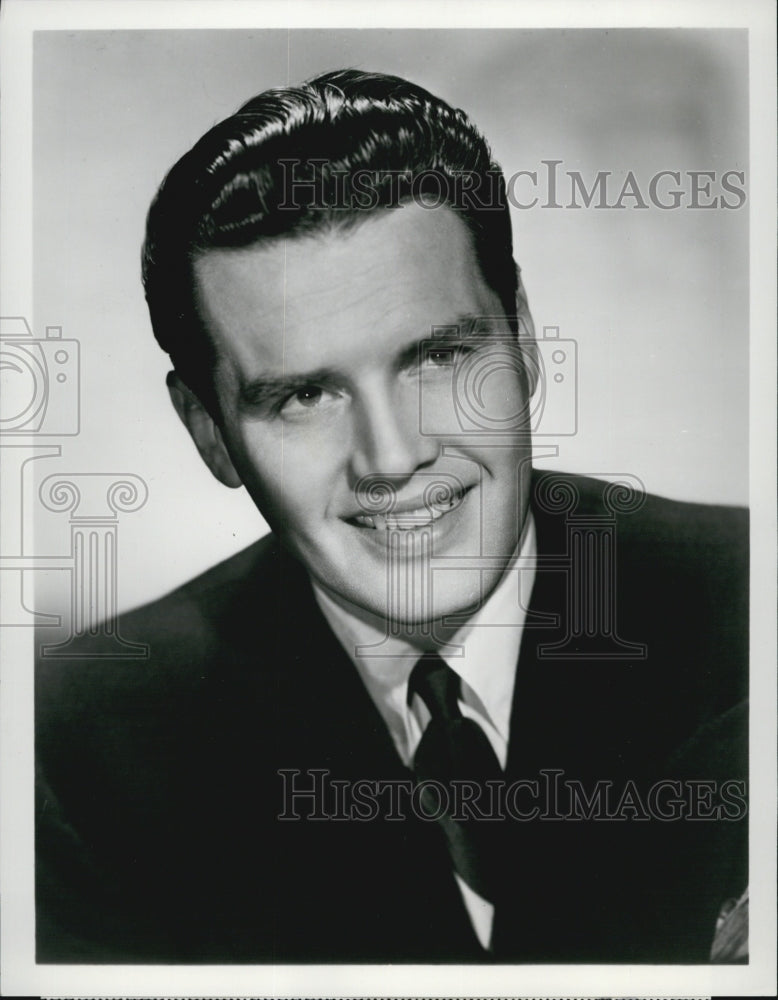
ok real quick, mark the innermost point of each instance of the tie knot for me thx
(438, 687)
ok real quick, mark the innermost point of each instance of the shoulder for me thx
(199, 611)
(138, 759)
(671, 578)
(211, 602)
(185, 644)
(632, 507)
(666, 538)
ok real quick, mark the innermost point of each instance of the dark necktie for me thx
(455, 749)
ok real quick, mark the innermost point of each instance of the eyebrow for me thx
(467, 325)
(261, 393)
(268, 389)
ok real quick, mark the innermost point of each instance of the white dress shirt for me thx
(486, 662)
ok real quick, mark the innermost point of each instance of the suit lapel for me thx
(567, 881)
(389, 881)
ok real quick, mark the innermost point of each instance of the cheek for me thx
(290, 477)
(503, 395)
(484, 393)
(506, 478)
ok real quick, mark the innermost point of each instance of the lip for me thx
(411, 518)
(411, 513)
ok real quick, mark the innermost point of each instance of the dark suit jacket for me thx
(157, 831)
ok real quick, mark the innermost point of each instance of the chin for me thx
(404, 595)
(413, 607)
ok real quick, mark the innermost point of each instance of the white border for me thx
(18, 19)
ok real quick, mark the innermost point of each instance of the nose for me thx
(387, 437)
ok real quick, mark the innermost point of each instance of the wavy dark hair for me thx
(298, 160)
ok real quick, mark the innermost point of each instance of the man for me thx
(449, 710)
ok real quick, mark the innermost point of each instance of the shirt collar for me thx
(488, 644)
(490, 640)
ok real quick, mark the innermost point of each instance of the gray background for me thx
(656, 300)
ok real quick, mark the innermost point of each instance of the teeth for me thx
(408, 520)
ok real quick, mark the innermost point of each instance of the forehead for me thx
(329, 299)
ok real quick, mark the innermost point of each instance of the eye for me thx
(441, 357)
(306, 398)
(446, 357)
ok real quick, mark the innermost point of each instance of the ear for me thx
(527, 342)
(204, 431)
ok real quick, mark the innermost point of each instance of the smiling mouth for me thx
(411, 519)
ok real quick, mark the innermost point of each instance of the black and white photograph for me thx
(388, 537)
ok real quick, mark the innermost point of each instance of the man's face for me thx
(322, 383)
